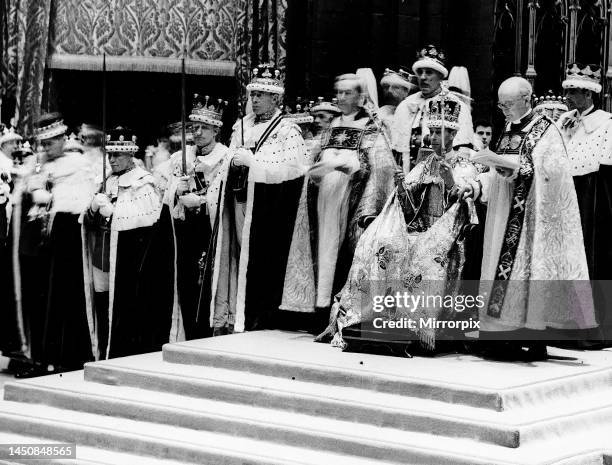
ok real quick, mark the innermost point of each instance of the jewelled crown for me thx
(400, 77)
(443, 113)
(175, 132)
(121, 140)
(50, 125)
(73, 144)
(9, 135)
(326, 105)
(299, 112)
(431, 57)
(23, 150)
(586, 77)
(267, 78)
(208, 110)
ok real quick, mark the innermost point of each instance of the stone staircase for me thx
(278, 398)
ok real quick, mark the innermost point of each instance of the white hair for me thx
(516, 85)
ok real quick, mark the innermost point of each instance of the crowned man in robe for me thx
(188, 213)
(129, 301)
(414, 246)
(60, 193)
(587, 134)
(350, 183)
(258, 210)
(396, 86)
(410, 123)
(534, 268)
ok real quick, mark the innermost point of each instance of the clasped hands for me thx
(186, 198)
(242, 157)
(102, 203)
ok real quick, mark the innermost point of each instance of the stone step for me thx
(287, 427)
(184, 445)
(164, 442)
(194, 446)
(85, 455)
(285, 398)
(454, 379)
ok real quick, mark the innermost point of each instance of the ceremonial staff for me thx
(183, 111)
(103, 123)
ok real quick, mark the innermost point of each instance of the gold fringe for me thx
(142, 64)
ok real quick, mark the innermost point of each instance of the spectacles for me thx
(509, 103)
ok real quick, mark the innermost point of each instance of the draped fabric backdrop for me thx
(261, 37)
(216, 37)
(25, 42)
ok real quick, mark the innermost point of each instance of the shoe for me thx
(536, 352)
(31, 372)
(503, 352)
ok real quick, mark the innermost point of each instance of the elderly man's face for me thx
(120, 161)
(578, 99)
(54, 147)
(442, 145)
(322, 120)
(513, 104)
(394, 94)
(429, 80)
(263, 102)
(349, 98)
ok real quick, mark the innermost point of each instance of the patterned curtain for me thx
(146, 35)
(25, 42)
(220, 37)
(261, 37)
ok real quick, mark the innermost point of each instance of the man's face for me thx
(322, 120)
(484, 134)
(119, 161)
(513, 105)
(439, 146)
(394, 94)
(578, 99)
(204, 134)
(349, 98)
(263, 102)
(54, 147)
(429, 80)
(9, 147)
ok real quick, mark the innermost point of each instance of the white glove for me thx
(242, 157)
(107, 210)
(41, 197)
(183, 185)
(98, 201)
(190, 200)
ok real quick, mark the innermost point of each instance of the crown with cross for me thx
(443, 112)
(267, 78)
